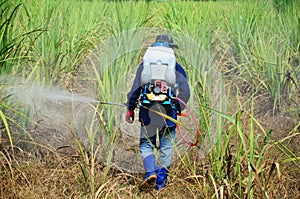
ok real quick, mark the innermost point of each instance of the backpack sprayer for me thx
(158, 77)
(158, 81)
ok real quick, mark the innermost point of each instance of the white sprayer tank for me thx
(159, 64)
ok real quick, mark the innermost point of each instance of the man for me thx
(159, 80)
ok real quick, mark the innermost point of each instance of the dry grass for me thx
(64, 172)
(60, 175)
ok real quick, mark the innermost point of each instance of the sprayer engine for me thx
(159, 87)
(157, 91)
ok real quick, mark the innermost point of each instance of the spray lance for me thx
(112, 103)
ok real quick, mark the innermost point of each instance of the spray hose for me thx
(195, 123)
(178, 124)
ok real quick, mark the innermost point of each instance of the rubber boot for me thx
(150, 177)
(162, 178)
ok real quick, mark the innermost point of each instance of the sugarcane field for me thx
(150, 99)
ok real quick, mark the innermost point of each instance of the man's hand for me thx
(129, 116)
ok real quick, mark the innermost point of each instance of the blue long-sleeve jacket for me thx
(145, 115)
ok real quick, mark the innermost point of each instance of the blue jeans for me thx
(149, 139)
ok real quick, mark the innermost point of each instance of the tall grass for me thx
(253, 43)
(267, 64)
